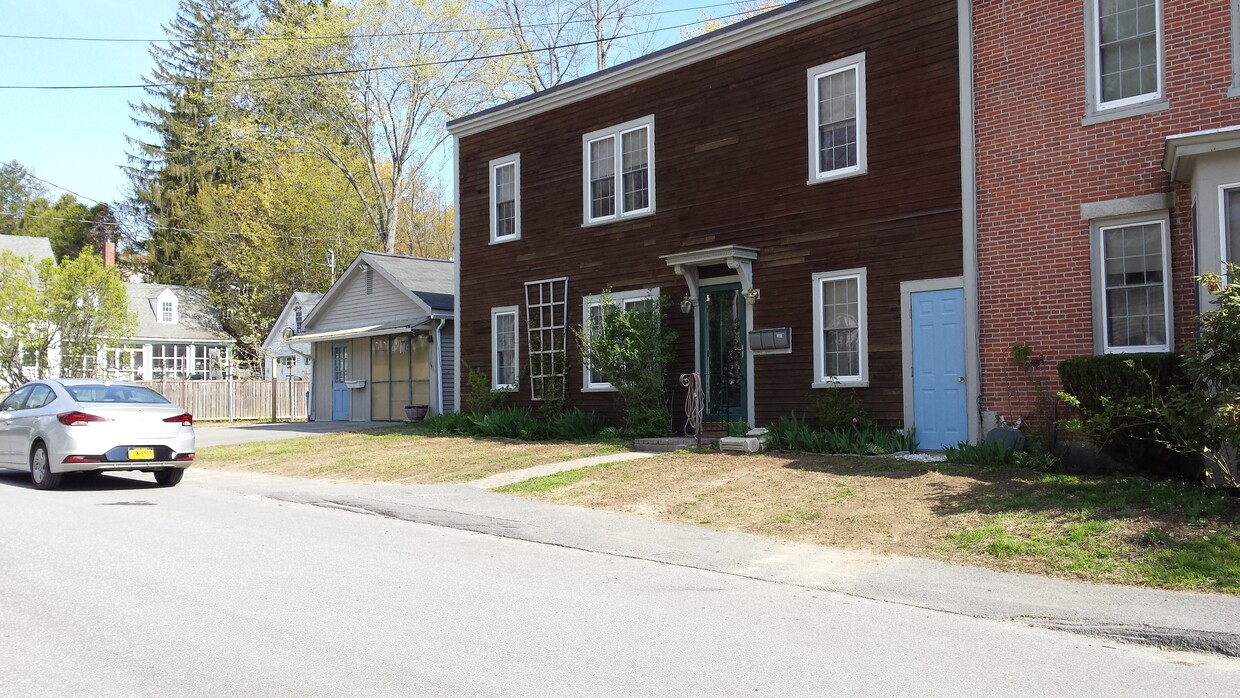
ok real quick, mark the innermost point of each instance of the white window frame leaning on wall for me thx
(815, 78)
(1102, 297)
(1098, 106)
(615, 137)
(622, 299)
(497, 313)
(497, 165)
(821, 378)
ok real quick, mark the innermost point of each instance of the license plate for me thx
(141, 454)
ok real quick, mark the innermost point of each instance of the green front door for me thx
(721, 336)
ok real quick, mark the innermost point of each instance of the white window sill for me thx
(1099, 116)
(618, 219)
(1164, 349)
(836, 176)
(1233, 91)
(598, 389)
(500, 241)
(842, 383)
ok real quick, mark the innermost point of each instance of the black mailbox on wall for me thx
(775, 340)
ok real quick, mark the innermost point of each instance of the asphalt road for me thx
(114, 587)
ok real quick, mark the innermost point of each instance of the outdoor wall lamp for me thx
(686, 305)
(753, 295)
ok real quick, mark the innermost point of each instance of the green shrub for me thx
(479, 398)
(573, 424)
(988, 454)
(449, 424)
(839, 408)
(793, 434)
(509, 423)
(1122, 401)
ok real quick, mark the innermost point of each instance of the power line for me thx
(57, 186)
(356, 71)
(439, 32)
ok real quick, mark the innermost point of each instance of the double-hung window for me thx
(506, 198)
(1124, 53)
(1229, 229)
(504, 348)
(592, 322)
(837, 142)
(1132, 286)
(840, 345)
(619, 171)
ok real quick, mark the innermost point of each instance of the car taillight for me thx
(185, 419)
(77, 419)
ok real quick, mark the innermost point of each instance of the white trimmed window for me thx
(837, 143)
(592, 320)
(506, 198)
(504, 348)
(1132, 286)
(166, 304)
(840, 344)
(1229, 200)
(619, 171)
(1124, 53)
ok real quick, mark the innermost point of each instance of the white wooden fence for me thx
(237, 399)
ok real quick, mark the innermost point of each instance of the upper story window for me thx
(166, 306)
(840, 344)
(506, 198)
(619, 171)
(1132, 277)
(1124, 54)
(837, 142)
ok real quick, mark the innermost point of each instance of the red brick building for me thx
(1107, 175)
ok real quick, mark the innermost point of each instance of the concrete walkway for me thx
(515, 476)
(208, 434)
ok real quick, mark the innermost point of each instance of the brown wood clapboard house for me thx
(799, 172)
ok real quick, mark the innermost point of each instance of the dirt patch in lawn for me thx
(1097, 529)
(399, 454)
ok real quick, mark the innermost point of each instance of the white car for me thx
(53, 427)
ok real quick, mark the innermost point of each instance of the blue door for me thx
(340, 374)
(940, 412)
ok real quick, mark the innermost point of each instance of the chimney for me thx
(109, 252)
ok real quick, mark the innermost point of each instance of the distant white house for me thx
(177, 336)
(34, 250)
(284, 356)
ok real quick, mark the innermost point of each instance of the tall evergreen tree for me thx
(189, 150)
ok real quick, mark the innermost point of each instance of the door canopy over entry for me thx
(736, 257)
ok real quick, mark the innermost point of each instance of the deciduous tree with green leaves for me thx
(55, 314)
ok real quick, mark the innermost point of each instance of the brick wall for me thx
(1037, 164)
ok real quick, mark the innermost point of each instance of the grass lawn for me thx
(1098, 529)
(398, 454)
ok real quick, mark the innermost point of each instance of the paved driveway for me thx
(207, 435)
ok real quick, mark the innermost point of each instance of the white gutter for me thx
(439, 364)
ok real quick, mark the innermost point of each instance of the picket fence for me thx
(225, 400)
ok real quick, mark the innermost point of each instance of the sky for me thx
(75, 140)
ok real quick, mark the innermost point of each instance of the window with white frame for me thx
(1124, 52)
(592, 321)
(504, 348)
(840, 344)
(837, 143)
(1229, 198)
(1132, 286)
(619, 171)
(506, 198)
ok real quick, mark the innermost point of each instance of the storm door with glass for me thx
(722, 343)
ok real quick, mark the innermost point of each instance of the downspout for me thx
(968, 196)
(439, 364)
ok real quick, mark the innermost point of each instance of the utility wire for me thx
(439, 32)
(356, 71)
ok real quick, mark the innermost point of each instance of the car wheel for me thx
(41, 470)
(169, 477)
